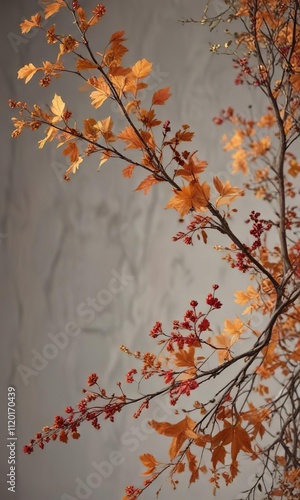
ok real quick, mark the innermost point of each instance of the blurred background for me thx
(62, 243)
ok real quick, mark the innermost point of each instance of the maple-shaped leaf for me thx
(33, 22)
(227, 192)
(256, 418)
(185, 357)
(202, 440)
(180, 432)
(127, 171)
(191, 458)
(234, 328)
(223, 342)
(82, 64)
(130, 136)
(161, 96)
(194, 196)
(184, 135)
(142, 68)
(218, 455)
(27, 72)
(150, 462)
(54, 7)
(234, 435)
(57, 108)
(244, 297)
(191, 168)
(147, 184)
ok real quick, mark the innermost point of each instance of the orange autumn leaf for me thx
(130, 136)
(33, 22)
(83, 64)
(72, 151)
(150, 462)
(180, 432)
(294, 169)
(147, 184)
(89, 131)
(244, 297)
(234, 435)
(27, 72)
(101, 93)
(105, 128)
(194, 196)
(185, 357)
(218, 455)
(191, 458)
(161, 96)
(54, 7)
(223, 342)
(234, 328)
(227, 192)
(142, 68)
(117, 36)
(127, 171)
(191, 168)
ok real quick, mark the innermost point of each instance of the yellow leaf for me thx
(105, 128)
(223, 342)
(259, 148)
(105, 156)
(161, 96)
(234, 328)
(74, 166)
(52, 8)
(142, 68)
(227, 192)
(57, 108)
(244, 297)
(194, 196)
(101, 93)
(50, 134)
(33, 22)
(27, 72)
